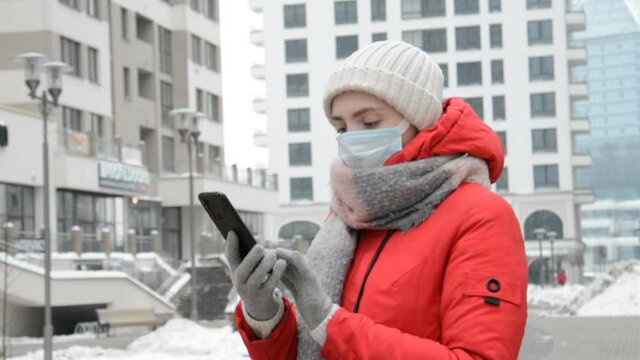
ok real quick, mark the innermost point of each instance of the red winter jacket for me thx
(453, 287)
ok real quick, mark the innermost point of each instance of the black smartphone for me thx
(226, 218)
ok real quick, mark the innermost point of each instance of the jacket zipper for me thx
(373, 262)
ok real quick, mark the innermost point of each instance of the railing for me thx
(258, 178)
(88, 144)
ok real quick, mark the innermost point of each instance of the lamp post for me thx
(33, 63)
(189, 133)
(540, 233)
(551, 235)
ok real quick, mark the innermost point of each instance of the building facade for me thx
(612, 40)
(511, 60)
(118, 163)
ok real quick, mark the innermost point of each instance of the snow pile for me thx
(612, 294)
(178, 339)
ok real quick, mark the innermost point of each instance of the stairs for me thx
(213, 285)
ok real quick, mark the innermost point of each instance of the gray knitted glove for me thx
(255, 278)
(311, 300)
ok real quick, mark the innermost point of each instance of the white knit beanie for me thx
(399, 73)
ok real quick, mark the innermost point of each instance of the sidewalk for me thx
(583, 338)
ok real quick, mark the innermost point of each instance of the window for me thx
(414, 9)
(166, 103)
(297, 85)
(497, 72)
(495, 6)
(431, 41)
(378, 10)
(213, 107)
(211, 9)
(124, 16)
(93, 64)
(540, 32)
(463, 7)
(445, 73)
(199, 101)
(145, 85)
(538, 4)
(503, 139)
(93, 8)
(468, 38)
(70, 51)
(295, 16)
(214, 160)
(298, 120)
(544, 140)
(495, 33)
(164, 49)
(499, 112)
(127, 82)
(300, 154)
(543, 105)
(346, 12)
(295, 50)
(17, 206)
(503, 182)
(144, 29)
(541, 68)
(477, 105)
(378, 37)
(171, 231)
(545, 176)
(196, 51)
(195, 5)
(304, 230)
(346, 45)
(301, 188)
(71, 3)
(168, 155)
(470, 73)
(211, 57)
(97, 125)
(72, 119)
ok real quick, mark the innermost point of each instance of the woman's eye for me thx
(340, 130)
(372, 124)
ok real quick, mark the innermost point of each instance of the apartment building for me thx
(511, 60)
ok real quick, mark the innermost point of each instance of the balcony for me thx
(580, 125)
(257, 37)
(258, 72)
(256, 5)
(260, 139)
(582, 160)
(260, 106)
(576, 21)
(578, 90)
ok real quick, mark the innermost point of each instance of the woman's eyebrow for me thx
(364, 111)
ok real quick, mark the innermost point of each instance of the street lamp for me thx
(33, 63)
(189, 132)
(540, 233)
(551, 235)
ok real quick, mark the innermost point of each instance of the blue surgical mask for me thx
(370, 148)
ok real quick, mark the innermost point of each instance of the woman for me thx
(418, 259)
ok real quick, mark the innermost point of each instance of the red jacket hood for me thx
(459, 130)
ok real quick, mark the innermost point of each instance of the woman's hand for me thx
(311, 300)
(255, 277)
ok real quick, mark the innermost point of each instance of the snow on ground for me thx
(616, 293)
(178, 339)
(24, 340)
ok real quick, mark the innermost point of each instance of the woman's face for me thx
(356, 110)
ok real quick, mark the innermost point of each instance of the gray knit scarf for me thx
(391, 197)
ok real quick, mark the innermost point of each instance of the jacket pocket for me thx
(493, 288)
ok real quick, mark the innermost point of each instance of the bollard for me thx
(132, 244)
(206, 244)
(156, 241)
(10, 238)
(76, 239)
(234, 173)
(105, 238)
